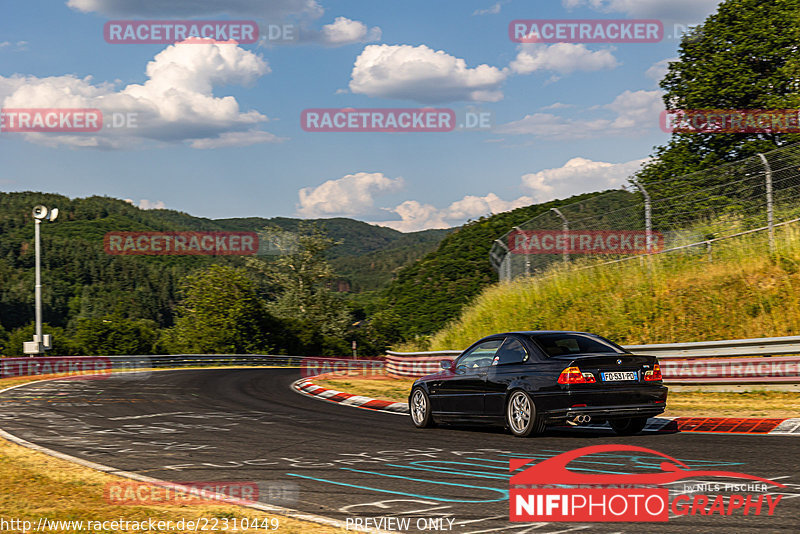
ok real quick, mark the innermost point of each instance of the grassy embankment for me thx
(740, 292)
(743, 292)
(34, 485)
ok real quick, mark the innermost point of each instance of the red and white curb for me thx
(306, 387)
(726, 425)
(714, 425)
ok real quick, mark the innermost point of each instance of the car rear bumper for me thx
(636, 401)
(606, 412)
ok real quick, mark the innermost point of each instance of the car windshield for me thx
(558, 344)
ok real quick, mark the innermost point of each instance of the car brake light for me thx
(573, 375)
(654, 375)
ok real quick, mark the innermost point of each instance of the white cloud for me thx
(229, 139)
(494, 9)
(558, 105)
(299, 13)
(671, 11)
(636, 112)
(351, 195)
(148, 205)
(428, 76)
(19, 46)
(267, 10)
(175, 104)
(562, 58)
(423, 75)
(472, 207)
(415, 216)
(578, 175)
(659, 69)
(344, 31)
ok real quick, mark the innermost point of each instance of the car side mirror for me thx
(445, 364)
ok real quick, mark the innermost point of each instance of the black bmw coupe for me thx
(527, 380)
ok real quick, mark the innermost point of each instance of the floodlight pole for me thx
(38, 287)
(40, 342)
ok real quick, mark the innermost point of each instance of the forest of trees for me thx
(96, 303)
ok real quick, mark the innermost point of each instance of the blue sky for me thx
(219, 131)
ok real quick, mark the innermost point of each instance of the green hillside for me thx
(83, 281)
(428, 293)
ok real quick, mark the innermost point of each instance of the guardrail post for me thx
(770, 206)
(565, 228)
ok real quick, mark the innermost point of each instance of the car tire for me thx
(522, 419)
(628, 426)
(420, 408)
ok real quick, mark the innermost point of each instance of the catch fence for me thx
(689, 213)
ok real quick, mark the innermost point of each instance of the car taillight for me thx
(654, 375)
(573, 375)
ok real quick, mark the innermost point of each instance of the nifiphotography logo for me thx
(548, 491)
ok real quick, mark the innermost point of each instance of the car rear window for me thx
(558, 344)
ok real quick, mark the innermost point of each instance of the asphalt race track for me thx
(338, 461)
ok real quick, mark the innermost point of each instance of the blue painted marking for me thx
(405, 494)
(450, 472)
(504, 493)
(581, 461)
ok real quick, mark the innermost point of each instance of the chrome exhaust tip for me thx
(580, 420)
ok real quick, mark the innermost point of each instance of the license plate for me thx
(619, 376)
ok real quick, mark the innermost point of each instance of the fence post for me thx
(648, 216)
(527, 256)
(565, 228)
(770, 206)
(506, 257)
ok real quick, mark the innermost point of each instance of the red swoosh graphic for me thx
(554, 470)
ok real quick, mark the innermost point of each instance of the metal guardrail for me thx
(740, 361)
(195, 360)
(42, 365)
(767, 346)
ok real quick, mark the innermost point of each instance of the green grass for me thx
(741, 291)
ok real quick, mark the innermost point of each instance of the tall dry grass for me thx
(739, 291)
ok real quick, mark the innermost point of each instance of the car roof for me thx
(535, 332)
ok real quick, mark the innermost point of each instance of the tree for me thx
(745, 56)
(114, 334)
(62, 344)
(302, 277)
(222, 313)
(3, 339)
